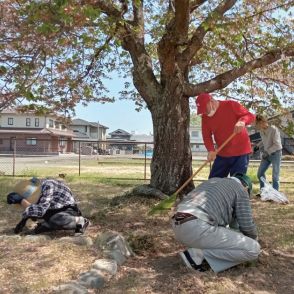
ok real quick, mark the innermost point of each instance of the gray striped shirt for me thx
(224, 200)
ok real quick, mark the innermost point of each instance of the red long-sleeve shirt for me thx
(221, 125)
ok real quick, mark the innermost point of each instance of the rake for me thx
(169, 202)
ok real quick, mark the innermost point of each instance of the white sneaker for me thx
(196, 254)
(184, 257)
(190, 261)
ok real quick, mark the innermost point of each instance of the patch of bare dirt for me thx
(34, 268)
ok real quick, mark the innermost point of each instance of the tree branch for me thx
(175, 35)
(133, 41)
(138, 13)
(96, 55)
(195, 4)
(182, 15)
(224, 79)
(277, 81)
(106, 7)
(197, 39)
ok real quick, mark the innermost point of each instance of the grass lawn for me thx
(31, 267)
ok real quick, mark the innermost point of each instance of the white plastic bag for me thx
(268, 193)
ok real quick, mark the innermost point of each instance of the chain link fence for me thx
(113, 159)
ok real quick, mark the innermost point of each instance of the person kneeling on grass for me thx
(48, 200)
(202, 220)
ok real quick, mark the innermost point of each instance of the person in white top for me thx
(272, 150)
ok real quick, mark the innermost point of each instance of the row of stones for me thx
(113, 246)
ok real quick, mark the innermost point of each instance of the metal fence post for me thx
(14, 157)
(145, 162)
(79, 158)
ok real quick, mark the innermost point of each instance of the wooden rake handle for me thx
(204, 164)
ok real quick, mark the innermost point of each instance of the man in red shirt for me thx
(219, 120)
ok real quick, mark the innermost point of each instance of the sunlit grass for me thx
(109, 206)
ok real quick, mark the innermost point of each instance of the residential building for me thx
(144, 144)
(196, 139)
(89, 134)
(29, 133)
(120, 142)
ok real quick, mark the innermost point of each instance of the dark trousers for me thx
(59, 219)
(224, 166)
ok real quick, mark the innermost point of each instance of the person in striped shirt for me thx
(203, 223)
(49, 200)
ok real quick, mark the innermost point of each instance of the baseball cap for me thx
(201, 102)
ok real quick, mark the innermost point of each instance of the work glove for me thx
(255, 149)
(20, 226)
(14, 198)
(265, 155)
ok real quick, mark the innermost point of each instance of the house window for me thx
(195, 134)
(31, 141)
(51, 125)
(56, 125)
(10, 121)
(62, 142)
(37, 122)
(28, 121)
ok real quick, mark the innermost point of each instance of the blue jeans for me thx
(223, 166)
(275, 160)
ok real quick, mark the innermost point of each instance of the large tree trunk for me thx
(172, 159)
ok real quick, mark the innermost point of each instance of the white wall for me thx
(20, 121)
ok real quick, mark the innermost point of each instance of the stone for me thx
(10, 237)
(70, 288)
(116, 255)
(37, 238)
(92, 279)
(106, 265)
(114, 246)
(78, 240)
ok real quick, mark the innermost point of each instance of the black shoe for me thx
(80, 229)
(41, 228)
(190, 263)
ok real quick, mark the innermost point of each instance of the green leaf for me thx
(3, 70)
(47, 28)
(164, 205)
(29, 95)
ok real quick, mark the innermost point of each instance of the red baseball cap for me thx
(201, 102)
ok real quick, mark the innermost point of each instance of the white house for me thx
(88, 134)
(196, 139)
(31, 133)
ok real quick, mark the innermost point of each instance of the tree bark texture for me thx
(171, 164)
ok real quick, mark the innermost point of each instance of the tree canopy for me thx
(60, 51)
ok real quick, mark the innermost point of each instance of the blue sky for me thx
(118, 115)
